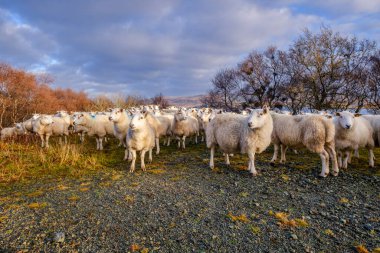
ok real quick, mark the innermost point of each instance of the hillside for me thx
(188, 101)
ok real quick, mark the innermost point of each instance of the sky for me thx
(172, 47)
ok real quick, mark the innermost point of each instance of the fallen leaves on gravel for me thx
(129, 198)
(73, 198)
(62, 187)
(244, 194)
(329, 232)
(343, 200)
(3, 218)
(285, 177)
(116, 177)
(156, 171)
(37, 205)
(361, 249)
(284, 220)
(85, 184)
(135, 247)
(234, 218)
(35, 194)
(255, 230)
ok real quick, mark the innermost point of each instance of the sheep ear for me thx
(121, 110)
(328, 116)
(265, 109)
(109, 109)
(145, 114)
(358, 114)
(337, 114)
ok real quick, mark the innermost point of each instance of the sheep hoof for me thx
(323, 175)
(131, 170)
(335, 173)
(253, 174)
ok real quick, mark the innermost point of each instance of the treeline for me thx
(23, 93)
(319, 71)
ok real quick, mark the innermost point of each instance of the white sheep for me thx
(352, 132)
(140, 137)
(314, 132)
(184, 126)
(9, 132)
(161, 125)
(238, 133)
(43, 127)
(121, 119)
(375, 123)
(98, 125)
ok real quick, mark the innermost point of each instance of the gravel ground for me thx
(182, 206)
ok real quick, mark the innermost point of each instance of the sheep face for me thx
(257, 118)
(62, 113)
(181, 115)
(346, 119)
(35, 116)
(19, 128)
(138, 121)
(116, 114)
(79, 120)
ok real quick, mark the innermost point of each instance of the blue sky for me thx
(169, 46)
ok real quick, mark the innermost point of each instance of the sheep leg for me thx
(126, 154)
(157, 146)
(283, 152)
(356, 153)
(132, 168)
(179, 142)
(227, 159)
(196, 138)
(65, 139)
(97, 143)
(251, 165)
(212, 151)
(349, 157)
(340, 159)
(325, 163)
(345, 161)
(60, 140)
(42, 140)
(47, 140)
(142, 157)
(334, 162)
(275, 154)
(203, 138)
(183, 141)
(168, 144)
(101, 143)
(150, 155)
(371, 162)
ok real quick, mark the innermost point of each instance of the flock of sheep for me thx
(333, 137)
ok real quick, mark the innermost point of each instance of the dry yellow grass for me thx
(35, 194)
(129, 198)
(156, 171)
(241, 218)
(361, 249)
(73, 198)
(84, 189)
(37, 205)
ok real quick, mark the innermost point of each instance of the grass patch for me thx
(37, 205)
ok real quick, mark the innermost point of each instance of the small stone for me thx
(294, 236)
(343, 221)
(59, 237)
(368, 227)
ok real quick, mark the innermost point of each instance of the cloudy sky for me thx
(169, 46)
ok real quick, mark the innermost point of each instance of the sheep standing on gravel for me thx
(43, 127)
(375, 123)
(238, 133)
(98, 125)
(352, 132)
(140, 137)
(314, 132)
(184, 126)
(161, 125)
